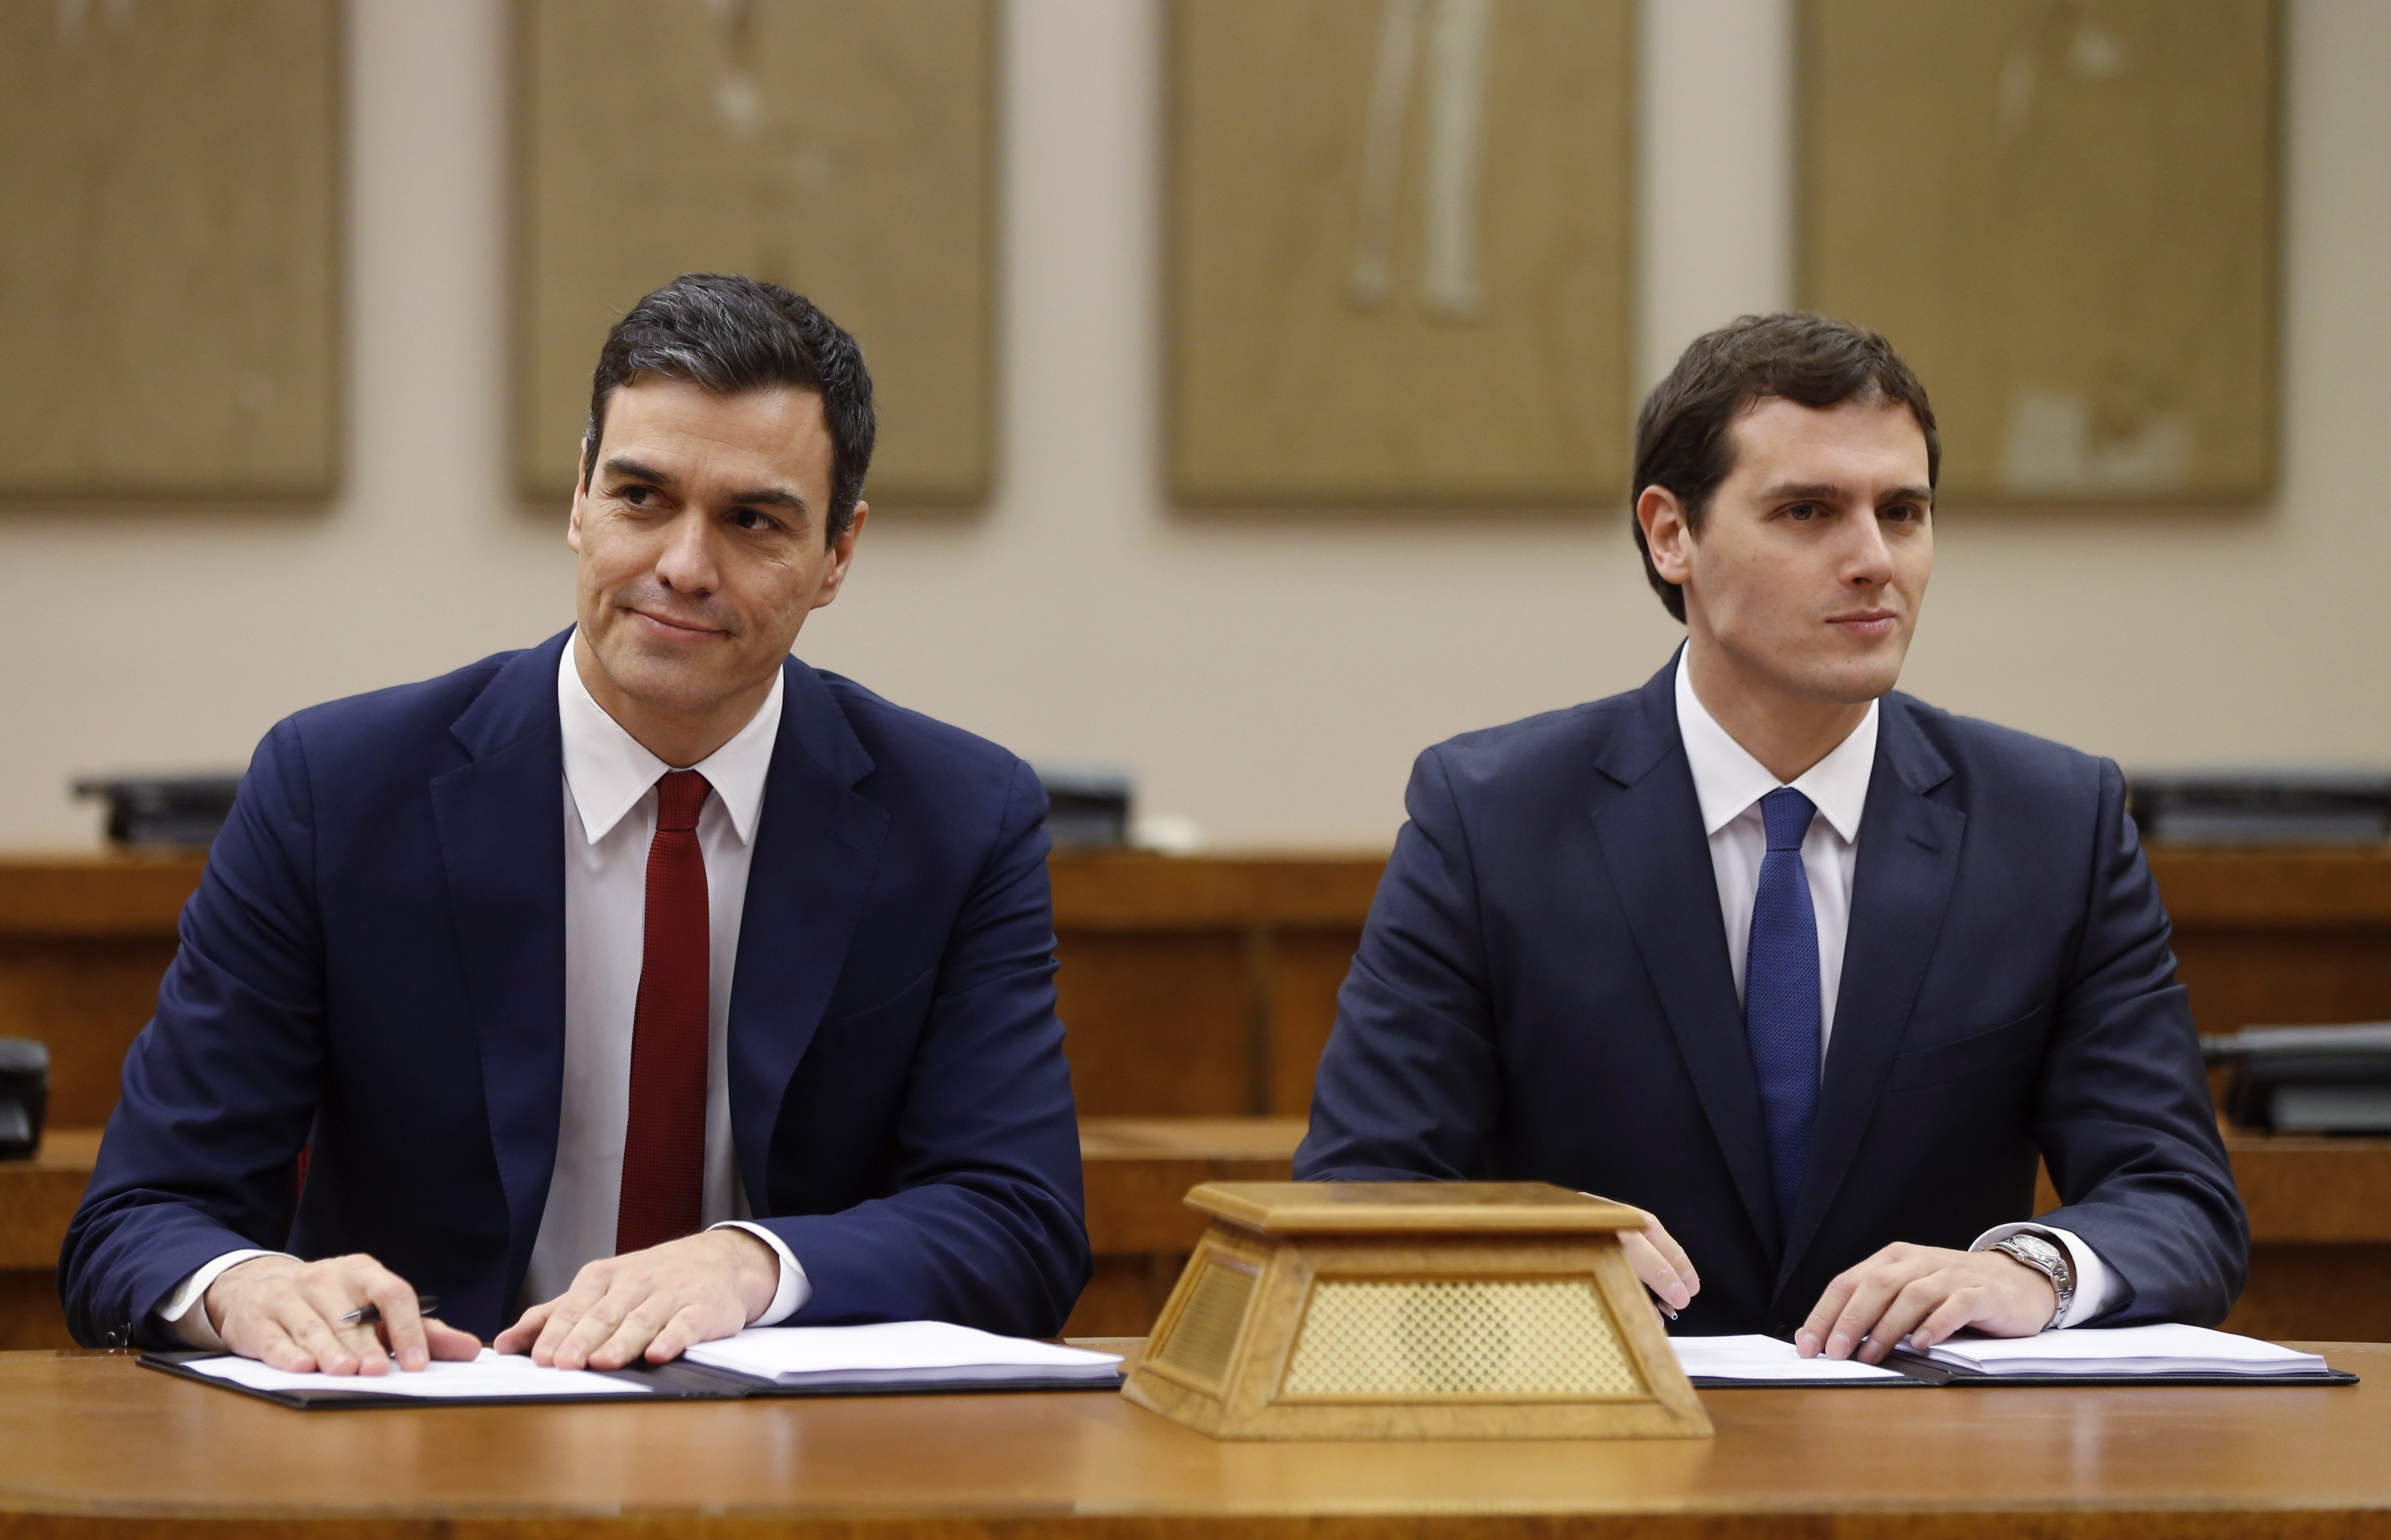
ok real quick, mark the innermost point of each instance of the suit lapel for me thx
(501, 821)
(1659, 865)
(1909, 858)
(817, 849)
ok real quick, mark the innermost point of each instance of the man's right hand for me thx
(287, 1314)
(1660, 1262)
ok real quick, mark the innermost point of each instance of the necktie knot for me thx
(681, 796)
(1787, 814)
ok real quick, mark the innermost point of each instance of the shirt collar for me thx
(1728, 780)
(608, 771)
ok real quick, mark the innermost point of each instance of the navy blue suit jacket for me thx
(1544, 993)
(373, 968)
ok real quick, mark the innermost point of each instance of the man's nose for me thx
(1868, 560)
(687, 562)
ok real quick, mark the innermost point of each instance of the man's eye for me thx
(747, 518)
(1802, 512)
(638, 497)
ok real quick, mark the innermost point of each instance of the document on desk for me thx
(904, 1354)
(491, 1377)
(2112, 1354)
(1722, 1362)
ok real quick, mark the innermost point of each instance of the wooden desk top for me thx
(105, 894)
(92, 1444)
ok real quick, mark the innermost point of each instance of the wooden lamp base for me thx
(1402, 1309)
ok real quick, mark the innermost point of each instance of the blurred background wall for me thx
(1269, 678)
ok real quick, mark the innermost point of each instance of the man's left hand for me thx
(1924, 1293)
(655, 1303)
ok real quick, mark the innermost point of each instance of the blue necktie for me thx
(1780, 995)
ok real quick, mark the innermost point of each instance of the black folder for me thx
(679, 1380)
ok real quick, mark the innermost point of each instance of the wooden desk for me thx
(91, 1445)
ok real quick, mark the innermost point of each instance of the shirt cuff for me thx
(794, 1288)
(2096, 1287)
(192, 1328)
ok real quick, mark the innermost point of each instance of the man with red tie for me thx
(622, 992)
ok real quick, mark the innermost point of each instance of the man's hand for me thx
(1660, 1262)
(1924, 1293)
(287, 1314)
(658, 1302)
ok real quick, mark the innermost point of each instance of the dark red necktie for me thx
(664, 1144)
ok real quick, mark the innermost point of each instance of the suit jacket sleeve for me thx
(2124, 1115)
(984, 1226)
(220, 1087)
(1409, 1086)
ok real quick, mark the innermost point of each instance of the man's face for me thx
(700, 534)
(1813, 558)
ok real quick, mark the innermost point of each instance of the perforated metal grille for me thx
(1205, 1332)
(1441, 1336)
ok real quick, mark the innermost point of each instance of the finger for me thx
(631, 1338)
(1952, 1315)
(1811, 1339)
(314, 1335)
(1653, 1269)
(1911, 1304)
(1674, 1254)
(1876, 1287)
(270, 1342)
(595, 1327)
(332, 1293)
(685, 1330)
(564, 1315)
(450, 1345)
(525, 1331)
(402, 1324)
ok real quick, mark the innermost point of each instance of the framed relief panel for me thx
(842, 149)
(2064, 214)
(1399, 250)
(169, 207)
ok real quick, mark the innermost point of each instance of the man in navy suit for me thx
(633, 989)
(1805, 968)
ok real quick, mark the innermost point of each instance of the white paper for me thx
(1767, 1358)
(2123, 1349)
(491, 1375)
(895, 1352)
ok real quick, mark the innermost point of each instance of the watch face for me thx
(2035, 1247)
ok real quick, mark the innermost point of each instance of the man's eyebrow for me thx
(1823, 491)
(770, 496)
(624, 465)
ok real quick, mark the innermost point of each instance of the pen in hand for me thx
(369, 1314)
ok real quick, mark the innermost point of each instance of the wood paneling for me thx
(1158, 1025)
(92, 1445)
(842, 151)
(1401, 250)
(2065, 215)
(168, 283)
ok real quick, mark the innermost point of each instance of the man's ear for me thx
(1666, 534)
(842, 555)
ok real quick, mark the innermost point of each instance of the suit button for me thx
(121, 1336)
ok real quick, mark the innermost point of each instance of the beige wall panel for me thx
(841, 150)
(168, 207)
(2063, 213)
(1399, 250)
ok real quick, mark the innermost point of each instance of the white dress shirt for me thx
(610, 818)
(1728, 783)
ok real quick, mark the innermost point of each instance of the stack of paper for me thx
(2125, 1350)
(490, 1376)
(1767, 1360)
(901, 1352)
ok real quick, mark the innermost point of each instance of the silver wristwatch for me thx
(2047, 1258)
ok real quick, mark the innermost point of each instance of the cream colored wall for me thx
(1270, 679)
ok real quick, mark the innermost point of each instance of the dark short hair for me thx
(726, 334)
(1682, 439)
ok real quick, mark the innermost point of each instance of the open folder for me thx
(2085, 1355)
(891, 1358)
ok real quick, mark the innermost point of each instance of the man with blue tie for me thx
(633, 989)
(1805, 968)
